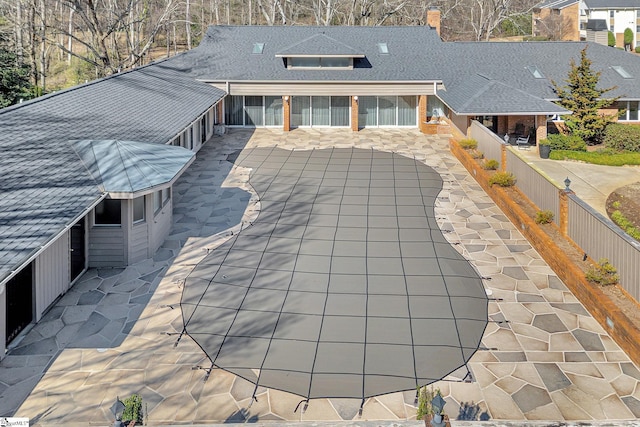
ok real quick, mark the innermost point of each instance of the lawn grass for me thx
(597, 158)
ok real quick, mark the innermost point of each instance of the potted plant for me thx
(544, 148)
(427, 410)
(132, 413)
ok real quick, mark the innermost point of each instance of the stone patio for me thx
(115, 332)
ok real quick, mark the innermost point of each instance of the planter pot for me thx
(544, 151)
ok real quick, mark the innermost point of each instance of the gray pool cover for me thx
(344, 286)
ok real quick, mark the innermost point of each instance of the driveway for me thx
(117, 332)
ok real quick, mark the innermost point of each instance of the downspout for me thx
(51, 241)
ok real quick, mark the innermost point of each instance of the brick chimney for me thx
(433, 18)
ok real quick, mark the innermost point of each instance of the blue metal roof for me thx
(131, 167)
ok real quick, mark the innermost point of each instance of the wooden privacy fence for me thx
(595, 234)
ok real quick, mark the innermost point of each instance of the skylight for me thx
(383, 48)
(623, 73)
(258, 48)
(535, 72)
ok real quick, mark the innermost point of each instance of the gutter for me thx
(49, 242)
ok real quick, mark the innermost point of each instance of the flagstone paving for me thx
(117, 331)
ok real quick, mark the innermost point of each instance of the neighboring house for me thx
(557, 19)
(87, 172)
(619, 15)
(568, 19)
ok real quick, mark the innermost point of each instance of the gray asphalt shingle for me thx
(44, 185)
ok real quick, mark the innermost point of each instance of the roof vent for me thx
(258, 48)
(383, 48)
(623, 73)
(535, 72)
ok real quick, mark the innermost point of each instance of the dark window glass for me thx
(108, 212)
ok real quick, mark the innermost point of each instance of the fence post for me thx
(503, 157)
(563, 221)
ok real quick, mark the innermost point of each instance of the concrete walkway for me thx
(115, 332)
(592, 183)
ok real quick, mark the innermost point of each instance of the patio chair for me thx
(523, 143)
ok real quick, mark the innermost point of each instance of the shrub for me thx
(468, 144)
(503, 179)
(622, 137)
(602, 273)
(565, 142)
(133, 409)
(611, 39)
(425, 396)
(637, 49)
(490, 164)
(544, 217)
(624, 223)
(476, 154)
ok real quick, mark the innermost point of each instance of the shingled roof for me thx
(44, 186)
(509, 65)
(225, 53)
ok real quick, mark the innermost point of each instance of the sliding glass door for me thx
(319, 111)
(253, 111)
(387, 111)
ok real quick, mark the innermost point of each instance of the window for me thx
(273, 111)
(107, 212)
(258, 48)
(611, 14)
(324, 62)
(638, 28)
(631, 115)
(611, 28)
(383, 48)
(203, 129)
(166, 195)
(535, 72)
(253, 111)
(621, 71)
(320, 111)
(138, 210)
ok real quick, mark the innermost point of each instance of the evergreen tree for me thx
(611, 39)
(584, 98)
(628, 38)
(14, 76)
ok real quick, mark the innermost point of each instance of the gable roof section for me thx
(507, 64)
(555, 4)
(319, 45)
(45, 187)
(124, 168)
(480, 95)
(612, 4)
(224, 54)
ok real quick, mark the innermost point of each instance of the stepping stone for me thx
(552, 376)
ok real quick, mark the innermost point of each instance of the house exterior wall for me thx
(160, 226)
(565, 21)
(326, 88)
(622, 19)
(107, 243)
(52, 275)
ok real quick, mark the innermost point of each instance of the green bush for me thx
(565, 142)
(611, 40)
(490, 164)
(132, 409)
(622, 137)
(637, 49)
(603, 157)
(603, 273)
(468, 144)
(625, 224)
(425, 396)
(544, 217)
(503, 179)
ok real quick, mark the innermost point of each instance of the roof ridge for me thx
(84, 85)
